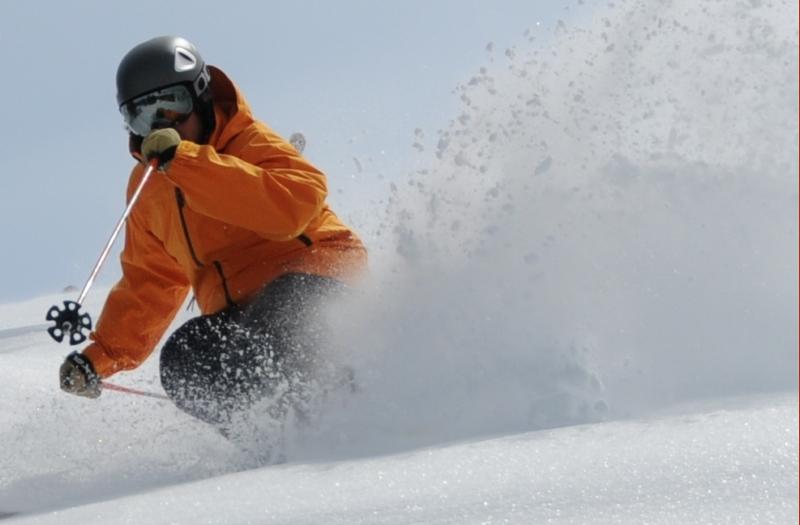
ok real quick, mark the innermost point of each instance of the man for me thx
(235, 214)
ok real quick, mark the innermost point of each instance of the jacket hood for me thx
(231, 110)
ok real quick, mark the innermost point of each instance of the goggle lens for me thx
(157, 109)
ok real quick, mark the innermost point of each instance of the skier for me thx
(235, 214)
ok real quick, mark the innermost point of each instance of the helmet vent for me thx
(184, 60)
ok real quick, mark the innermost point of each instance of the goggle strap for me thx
(202, 82)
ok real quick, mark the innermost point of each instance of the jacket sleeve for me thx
(141, 305)
(275, 192)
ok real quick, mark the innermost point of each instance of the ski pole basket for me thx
(69, 320)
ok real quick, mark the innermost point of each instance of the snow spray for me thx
(608, 226)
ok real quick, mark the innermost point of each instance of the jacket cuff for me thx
(185, 157)
(103, 364)
(186, 151)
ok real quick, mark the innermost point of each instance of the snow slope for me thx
(583, 309)
(732, 462)
(125, 459)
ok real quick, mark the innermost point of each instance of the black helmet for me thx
(160, 62)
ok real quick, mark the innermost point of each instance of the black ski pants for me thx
(216, 366)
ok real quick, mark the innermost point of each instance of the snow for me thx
(130, 460)
(124, 459)
(583, 309)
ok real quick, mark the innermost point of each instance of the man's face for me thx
(190, 129)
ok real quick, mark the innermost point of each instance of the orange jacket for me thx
(224, 219)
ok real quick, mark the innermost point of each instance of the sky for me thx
(357, 77)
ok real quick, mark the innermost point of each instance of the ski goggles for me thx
(164, 108)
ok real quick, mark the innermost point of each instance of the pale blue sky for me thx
(357, 77)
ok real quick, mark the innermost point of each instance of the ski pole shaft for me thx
(151, 167)
(69, 321)
(134, 391)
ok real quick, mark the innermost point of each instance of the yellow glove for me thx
(161, 144)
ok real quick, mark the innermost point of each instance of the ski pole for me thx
(69, 319)
(151, 167)
(134, 391)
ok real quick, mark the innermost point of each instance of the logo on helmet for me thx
(184, 60)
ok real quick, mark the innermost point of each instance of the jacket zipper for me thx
(228, 297)
(181, 203)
